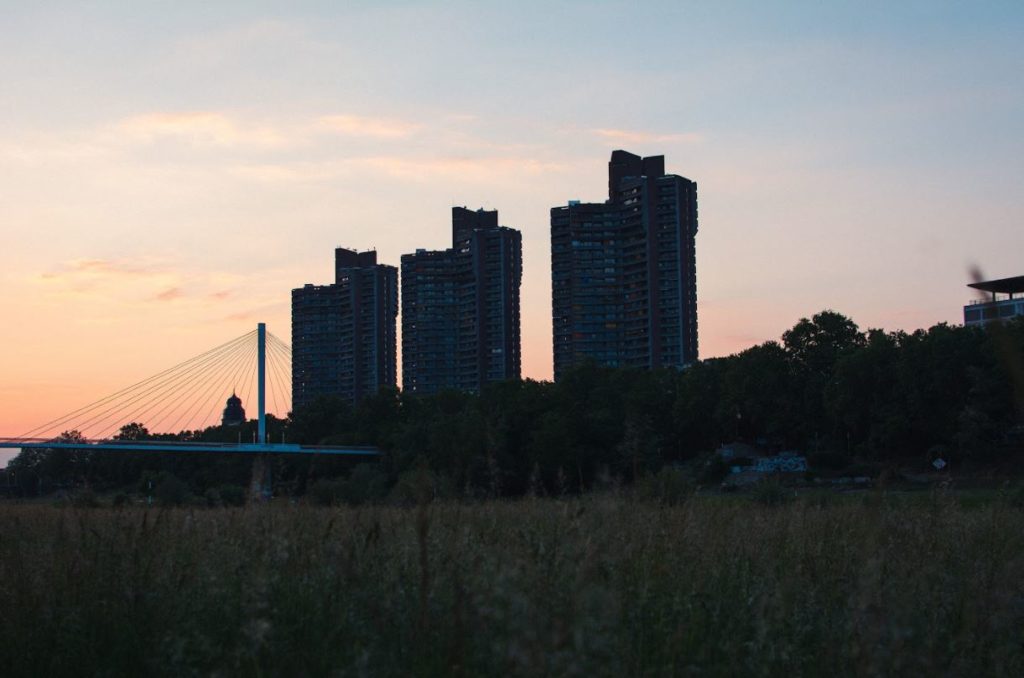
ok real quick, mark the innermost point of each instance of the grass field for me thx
(603, 585)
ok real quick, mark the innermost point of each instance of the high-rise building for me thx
(343, 334)
(623, 272)
(460, 307)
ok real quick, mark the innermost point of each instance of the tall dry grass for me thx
(594, 586)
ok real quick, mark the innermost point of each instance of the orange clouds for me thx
(622, 136)
(201, 127)
(355, 125)
(98, 267)
(473, 169)
(135, 283)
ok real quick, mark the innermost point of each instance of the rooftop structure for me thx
(1011, 305)
(1010, 286)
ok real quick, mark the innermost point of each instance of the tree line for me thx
(844, 397)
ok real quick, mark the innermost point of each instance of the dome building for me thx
(234, 413)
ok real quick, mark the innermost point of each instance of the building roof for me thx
(1005, 286)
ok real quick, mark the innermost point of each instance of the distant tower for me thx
(234, 413)
(344, 334)
(460, 308)
(623, 271)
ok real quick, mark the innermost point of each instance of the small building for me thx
(738, 450)
(234, 413)
(1009, 305)
(749, 464)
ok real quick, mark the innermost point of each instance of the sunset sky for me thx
(169, 171)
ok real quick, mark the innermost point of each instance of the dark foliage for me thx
(847, 398)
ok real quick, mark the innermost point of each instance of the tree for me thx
(817, 344)
(757, 397)
(56, 466)
(132, 431)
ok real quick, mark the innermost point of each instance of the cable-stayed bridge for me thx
(176, 405)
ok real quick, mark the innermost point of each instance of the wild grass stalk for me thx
(601, 585)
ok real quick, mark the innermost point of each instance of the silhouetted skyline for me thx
(171, 171)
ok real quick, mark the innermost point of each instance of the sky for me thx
(169, 171)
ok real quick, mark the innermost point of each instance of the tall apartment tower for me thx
(460, 308)
(343, 335)
(623, 272)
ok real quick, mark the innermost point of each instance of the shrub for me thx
(714, 471)
(828, 461)
(366, 484)
(232, 495)
(171, 490)
(85, 498)
(420, 486)
(326, 492)
(772, 493)
(669, 486)
(865, 470)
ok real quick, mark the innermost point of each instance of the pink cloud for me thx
(170, 294)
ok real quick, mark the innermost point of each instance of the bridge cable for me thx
(250, 378)
(164, 394)
(234, 378)
(165, 406)
(281, 381)
(284, 382)
(190, 411)
(188, 402)
(63, 420)
(283, 352)
(270, 382)
(161, 378)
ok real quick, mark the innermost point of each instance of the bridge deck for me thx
(159, 446)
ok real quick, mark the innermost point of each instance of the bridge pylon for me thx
(261, 379)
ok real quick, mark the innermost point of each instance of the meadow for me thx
(603, 585)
